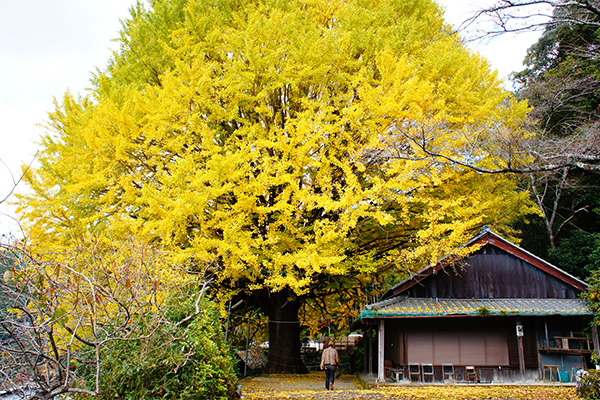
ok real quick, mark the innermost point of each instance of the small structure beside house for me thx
(500, 315)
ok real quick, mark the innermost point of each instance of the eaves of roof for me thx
(428, 307)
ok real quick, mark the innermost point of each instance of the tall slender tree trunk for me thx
(284, 334)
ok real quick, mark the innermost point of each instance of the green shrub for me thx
(172, 360)
(590, 385)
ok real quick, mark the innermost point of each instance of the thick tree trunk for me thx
(284, 334)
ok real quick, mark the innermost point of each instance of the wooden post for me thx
(370, 351)
(546, 332)
(380, 352)
(520, 347)
(366, 340)
(247, 344)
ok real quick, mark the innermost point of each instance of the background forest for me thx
(561, 83)
(285, 161)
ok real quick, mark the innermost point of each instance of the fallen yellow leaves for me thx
(479, 392)
(423, 393)
(310, 387)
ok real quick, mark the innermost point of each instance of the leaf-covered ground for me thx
(311, 387)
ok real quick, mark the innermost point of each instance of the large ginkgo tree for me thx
(273, 146)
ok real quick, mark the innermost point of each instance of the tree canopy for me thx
(272, 145)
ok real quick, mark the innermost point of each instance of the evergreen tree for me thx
(562, 83)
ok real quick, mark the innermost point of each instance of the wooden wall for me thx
(489, 341)
(492, 273)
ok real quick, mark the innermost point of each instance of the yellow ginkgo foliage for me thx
(277, 147)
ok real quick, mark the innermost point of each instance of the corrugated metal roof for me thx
(427, 307)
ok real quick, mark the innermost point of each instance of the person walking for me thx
(329, 361)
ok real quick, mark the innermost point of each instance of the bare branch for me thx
(532, 15)
(19, 179)
(57, 306)
(515, 154)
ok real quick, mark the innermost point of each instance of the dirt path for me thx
(315, 381)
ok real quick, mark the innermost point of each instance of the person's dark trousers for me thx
(329, 375)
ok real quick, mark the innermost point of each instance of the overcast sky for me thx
(51, 46)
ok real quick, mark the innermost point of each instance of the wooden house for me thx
(503, 314)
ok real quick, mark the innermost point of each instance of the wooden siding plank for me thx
(489, 273)
(508, 258)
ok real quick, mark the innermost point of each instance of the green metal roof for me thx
(427, 307)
